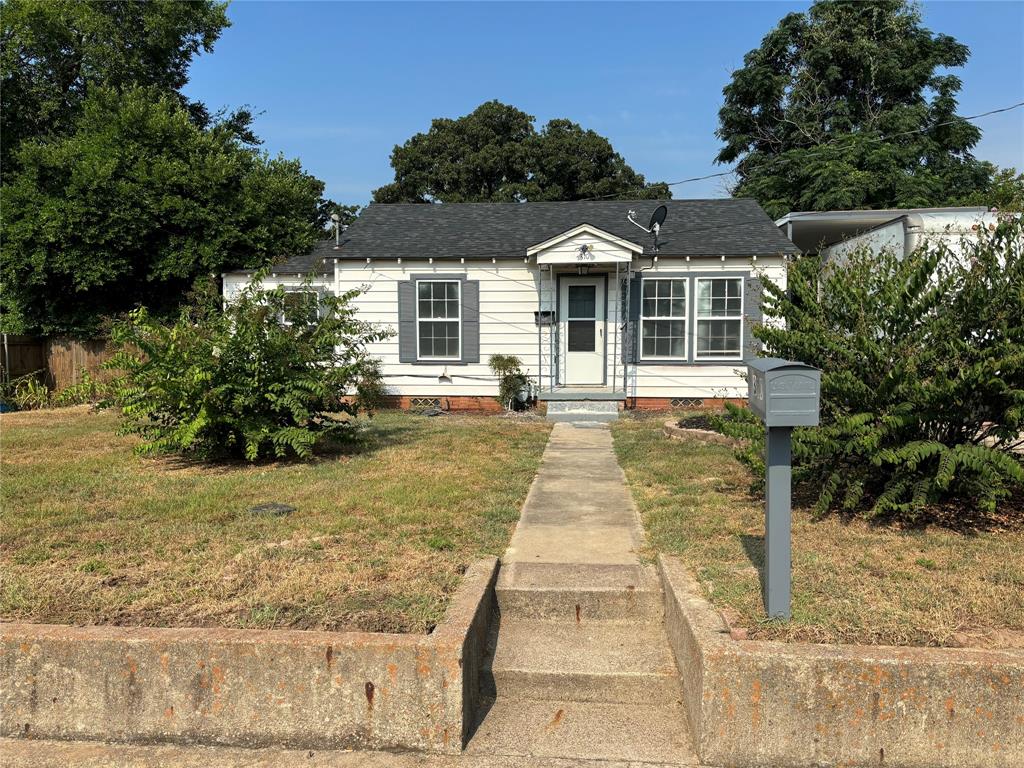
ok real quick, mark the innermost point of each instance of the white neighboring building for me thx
(593, 308)
(835, 234)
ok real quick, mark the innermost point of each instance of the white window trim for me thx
(304, 289)
(685, 318)
(698, 317)
(419, 320)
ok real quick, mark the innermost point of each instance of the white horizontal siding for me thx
(234, 282)
(508, 298)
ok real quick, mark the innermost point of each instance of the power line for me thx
(832, 145)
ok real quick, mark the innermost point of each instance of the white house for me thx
(595, 307)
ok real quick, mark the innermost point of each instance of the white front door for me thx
(582, 319)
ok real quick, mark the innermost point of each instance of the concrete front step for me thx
(638, 733)
(588, 662)
(572, 592)
(583, 410)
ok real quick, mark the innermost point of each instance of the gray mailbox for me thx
(784, 394)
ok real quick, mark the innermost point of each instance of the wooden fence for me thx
(61, 360)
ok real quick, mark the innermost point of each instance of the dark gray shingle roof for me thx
(731, 227)
(312, 262)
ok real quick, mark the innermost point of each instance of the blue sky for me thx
(339, 84)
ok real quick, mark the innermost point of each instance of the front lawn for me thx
(853, 581)
(94, 534)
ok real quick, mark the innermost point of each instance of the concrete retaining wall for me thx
(251, 687)
(756, 703)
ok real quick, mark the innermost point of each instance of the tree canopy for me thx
(850, 105)
(495, 154)
(119, 191)
(53, 51)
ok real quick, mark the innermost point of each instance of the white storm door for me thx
(582, 304)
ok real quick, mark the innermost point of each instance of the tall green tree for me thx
(52, 51)
(495, 154)
(850, 105)
(137, 203)
(118, 191)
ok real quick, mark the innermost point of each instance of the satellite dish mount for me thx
(654, 226)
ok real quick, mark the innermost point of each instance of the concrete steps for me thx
(637, 733)
(581, 593)
(583, 662)
(579, 667)
(583, 411)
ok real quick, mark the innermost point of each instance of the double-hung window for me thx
(719, 318)
(663, 319)
(438, 319)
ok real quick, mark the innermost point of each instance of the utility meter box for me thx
(784, 393)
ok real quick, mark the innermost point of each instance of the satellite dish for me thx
(654, 227)
(658, 217)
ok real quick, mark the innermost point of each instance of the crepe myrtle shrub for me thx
(511, 379)
(263, 376)
(922, 386)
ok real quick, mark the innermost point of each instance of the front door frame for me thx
(563, 342)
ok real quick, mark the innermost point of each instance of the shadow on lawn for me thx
(753, 547)
(371, 437)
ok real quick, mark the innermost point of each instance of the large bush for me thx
(264, 376)
(922, 360)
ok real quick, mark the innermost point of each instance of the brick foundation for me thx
(485, 404)
(457, 403)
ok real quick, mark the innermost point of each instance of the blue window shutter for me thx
(407, 321)
(631, 337)
(470, 321)
(753, 293)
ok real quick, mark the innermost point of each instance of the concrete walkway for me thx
(578, 510)
(581, 667)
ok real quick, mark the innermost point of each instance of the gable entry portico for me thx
(582, 301)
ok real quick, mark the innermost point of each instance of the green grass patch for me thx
(853, 581)
(380, 535)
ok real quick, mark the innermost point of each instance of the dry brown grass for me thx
(94, 534)
(853, 581)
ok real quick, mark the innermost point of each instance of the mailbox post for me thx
(784, 394)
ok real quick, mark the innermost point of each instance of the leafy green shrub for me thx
(922, 359)
(26, 393)
(88, 389)
(258, 378)
(511, 379)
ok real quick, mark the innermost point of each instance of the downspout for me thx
(913, 233)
